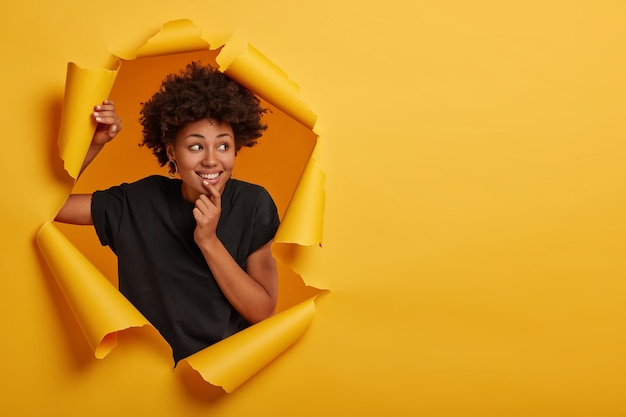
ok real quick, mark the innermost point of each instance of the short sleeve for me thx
(266, 220)
(106, 211)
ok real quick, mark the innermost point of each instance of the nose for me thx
(209, 158)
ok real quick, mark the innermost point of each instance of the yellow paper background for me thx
(473, 234)
(100, 310)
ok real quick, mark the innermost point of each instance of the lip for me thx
(212, 177)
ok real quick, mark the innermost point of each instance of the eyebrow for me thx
(198, 135)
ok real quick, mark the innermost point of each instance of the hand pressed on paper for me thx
(109, 123)
(77, 208)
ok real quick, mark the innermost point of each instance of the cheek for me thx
(188, 160)
(229, 162)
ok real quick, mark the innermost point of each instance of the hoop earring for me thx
(172, 172)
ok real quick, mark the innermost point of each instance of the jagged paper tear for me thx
(232, 361)
(83, 88)
(242, 62)
(101, 310)
(99, 307)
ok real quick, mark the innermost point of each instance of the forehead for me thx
(206, 129)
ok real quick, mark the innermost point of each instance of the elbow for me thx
(263, 312)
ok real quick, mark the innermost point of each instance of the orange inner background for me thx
(275, 162)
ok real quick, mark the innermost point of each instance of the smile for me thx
(209, 176)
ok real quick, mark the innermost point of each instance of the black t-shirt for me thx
(162, 271)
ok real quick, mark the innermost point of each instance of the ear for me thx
(169, 149)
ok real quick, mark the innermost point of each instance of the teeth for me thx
(210, 176)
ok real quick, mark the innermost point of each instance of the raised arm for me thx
(109, 125)
(77, 208)
(253, 293)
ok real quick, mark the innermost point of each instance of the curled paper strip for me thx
(232, 361)
(99, 307)
(303, 220)
(176, 36)
(250, 68)
(101, 310)
(83, 89)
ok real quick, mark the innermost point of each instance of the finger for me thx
(204, 205)
(109, 118)
(202, 202)
(214, 195)
(105, 112)
(106, 104)
(204, 211)
(200, 217)
(197, 214)
(114, 125)
(113, 130)
(105, 117)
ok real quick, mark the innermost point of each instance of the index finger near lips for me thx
(214, 195)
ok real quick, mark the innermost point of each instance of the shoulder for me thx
(242, 191)
(149, 188)
(245, 194)
(153, 181)
(146, 184)
(240, 188)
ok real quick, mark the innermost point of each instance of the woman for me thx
(193, 253)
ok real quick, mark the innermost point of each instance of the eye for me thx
(195, 147)
(223, 147)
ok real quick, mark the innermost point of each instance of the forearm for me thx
(108, 126)
(76, 210)
(93, 150)
(254, 301)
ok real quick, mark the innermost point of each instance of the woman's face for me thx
(204, 151)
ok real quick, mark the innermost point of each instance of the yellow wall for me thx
(474, 235)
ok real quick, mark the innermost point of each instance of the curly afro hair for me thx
(195, 93)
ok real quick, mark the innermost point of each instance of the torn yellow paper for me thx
(302, 223)
(174, 37)
(84, 88)
(244, 63)
(234, 360)
(101, 310)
